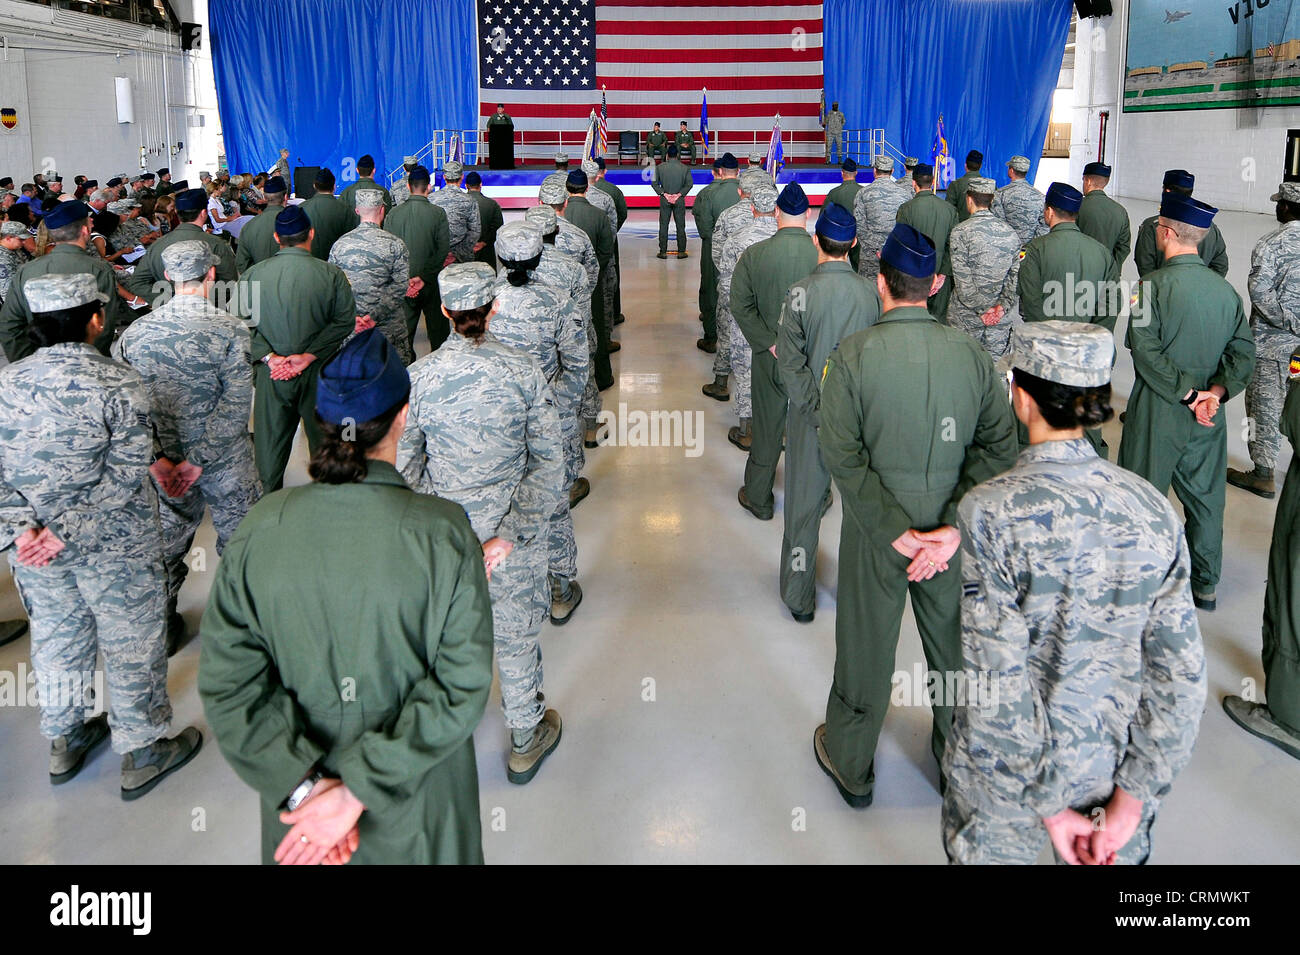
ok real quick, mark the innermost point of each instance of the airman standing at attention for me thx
(673, 183)
(1102, 217)
(422, 226)
(257, 238)
(1019, 204)
(490, 219)
(843, 196)
(934, 219)
(876, 210)
(984, 253)
(401, 191)
(710, 202)
(365, 180)
(834, 126)
(462, 213)
(1146, 254)
(956, 191)
(378, 267)
(330, 218)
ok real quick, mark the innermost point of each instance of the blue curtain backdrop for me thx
(989, 66)
(332, 80)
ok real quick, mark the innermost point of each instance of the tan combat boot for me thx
(1258, 481)
(529, 748)
(68, 753)
(146, 767)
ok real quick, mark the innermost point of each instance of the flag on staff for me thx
(653, 59)
(821, 110)
(589, 146)
(775, 151)
(704, 120)
(456, 149)
(940, 160)
(603, 131)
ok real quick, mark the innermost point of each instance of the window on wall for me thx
(150, 13)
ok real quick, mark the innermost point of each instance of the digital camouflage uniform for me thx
(1076, 613)
(876, 208)
(400, 191)
(572, 241)
(834, 136)
(1275, 321)
(731, 220)
(985, 255)
(483, 431)
(378, 267)
(194, 359)
(1020, 206)
(10, 261)
(740, 358)
(462, 216)
(76, 444)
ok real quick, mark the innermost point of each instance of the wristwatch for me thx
(1189, 399)
(303, 790)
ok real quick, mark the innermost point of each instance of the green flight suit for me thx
(330, 219)
(763, 275)
(1213, 250)
(955, 194)
(595, 223)
(709, 203)
(149, 269)
(620, 211)
(1281, 606)
(1188, 330)
(913, 415)
(1106, 220)
(685, 142)
(843, 196)
(500, 119)
(820, 311)
(933, 218)
(295, 304)
(349, 196)
(257, 238)
(423, 227)
(490, 220)
(656, 145)
(298, 673)
(1069, 276)
(672, 178)
(63, 259)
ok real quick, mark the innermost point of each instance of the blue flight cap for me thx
(191, 200)
(473, 180)
(293, 221)
(717, 162)
(364, 380)
(836, 224)
(1179, 179)
(729, 161)
(275, 184)
(848, 166)
(1063, 196)
(1182, 208)
(1097, 169)
(909, 251)
(577, 179)
(792, 200)
(66, 213)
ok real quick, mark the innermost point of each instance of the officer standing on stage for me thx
(685, 143)
(422, 226)
(378, 267)
(956, 192)
(763, 275)
(1019, 204)
(1192, 350)
(1081, 705)
(984, 253)
(834, 125)
(1275, 322)
(673, 183)
(462, 213)
(330, 218)
(712, 200)
(913, 415)
(1102, 217)
(656, 143)
(490, 219)
(820, 311)
(875, 208)
(257, 238)
(194, 359)
(934, 219)
(300, 311)
(1146, 254)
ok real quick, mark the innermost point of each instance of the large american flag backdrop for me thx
(548, 60)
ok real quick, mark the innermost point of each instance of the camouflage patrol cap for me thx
(369, 198)
(12, 229)
(590, 168)
(519, 242)
(409, 160)
(910, 162)
(751, 177)
(982, 186)
(1068, 353)
(123, 206)
(763, 195)
(554, 192)
(1286, 192)
(466, 285)
(883, 163)
(544, 217)
(452, 170)
(1019, 163)
(52, 293)
(188, 260)
(755, 157)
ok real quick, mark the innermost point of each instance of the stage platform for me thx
(517, 188)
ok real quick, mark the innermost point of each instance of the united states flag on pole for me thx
(545, 59)
(603, 143)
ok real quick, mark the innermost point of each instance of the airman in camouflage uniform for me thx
(484, 431)
(876, 208)
(761, 225)
(1019, 204)
(462, 213)
(834, 134)
(1275, 321)
(12, 253)
(908, 182)
(401, 191)
(75, 449)
(561, 174)
(194, 358)
(737, 216)
(547, 323)
(985, 256)
(1082, 653)
(378, 267)
(131, 230)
